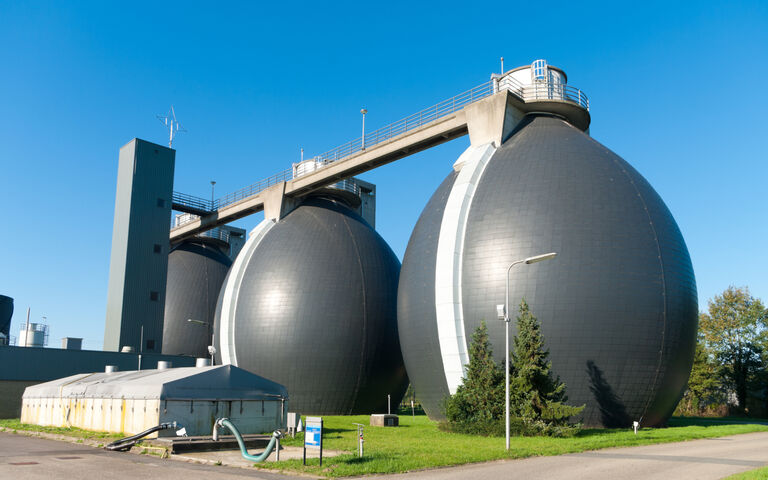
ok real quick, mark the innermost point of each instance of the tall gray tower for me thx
(139, 262)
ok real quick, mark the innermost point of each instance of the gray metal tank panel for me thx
(196, 271)
(6, 312)
(316, 311)
(618, 306)
(416, 301)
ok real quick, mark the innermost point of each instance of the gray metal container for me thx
(310, 302)
(618, 306)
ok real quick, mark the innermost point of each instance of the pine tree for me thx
(537, 395)
(480, 398)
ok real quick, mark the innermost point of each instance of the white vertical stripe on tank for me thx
(450, 251)
(232, 292)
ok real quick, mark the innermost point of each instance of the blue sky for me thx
(677, 89)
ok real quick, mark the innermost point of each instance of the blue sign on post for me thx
(313, 436)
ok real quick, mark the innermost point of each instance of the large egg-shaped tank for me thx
(310, 302)
(6, 312)
(196, 271)
(618, 305)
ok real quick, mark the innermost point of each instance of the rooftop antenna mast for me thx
(173, 125)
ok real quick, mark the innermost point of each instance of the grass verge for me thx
(418, 444)
(759, 474)
(13, 424)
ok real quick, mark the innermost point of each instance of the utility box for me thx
(384, 420)
(70, 343)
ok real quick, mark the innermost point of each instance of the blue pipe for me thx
(224, 422)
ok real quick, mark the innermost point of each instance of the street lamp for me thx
(362, 142)
(213, 183)
(503, 313)
(211, 347)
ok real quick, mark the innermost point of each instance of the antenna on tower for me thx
(173, 125)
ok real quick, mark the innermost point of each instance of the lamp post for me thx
(211, 348)
(213, 183)
(503, 314)
(362, 141)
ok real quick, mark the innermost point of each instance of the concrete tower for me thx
(139, 261)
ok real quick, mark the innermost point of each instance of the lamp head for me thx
(540, 258)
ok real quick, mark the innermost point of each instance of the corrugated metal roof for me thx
(221, 382)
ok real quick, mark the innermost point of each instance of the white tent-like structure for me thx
(133, 401)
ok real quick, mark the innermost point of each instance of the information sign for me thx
(313, 436)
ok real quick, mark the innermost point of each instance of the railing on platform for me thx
(192, 202)
(526, 93)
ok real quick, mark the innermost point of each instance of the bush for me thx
(518, 427)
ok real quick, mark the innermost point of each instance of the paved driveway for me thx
(31, 458)
(698, 459)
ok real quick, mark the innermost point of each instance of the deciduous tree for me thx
(734, 329)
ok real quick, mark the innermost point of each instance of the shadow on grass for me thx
(356, 460)
(714, 421)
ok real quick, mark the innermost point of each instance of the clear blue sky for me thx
(677, 89)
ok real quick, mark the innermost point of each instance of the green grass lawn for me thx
(13, 424)
(759, 474)
(417, 444)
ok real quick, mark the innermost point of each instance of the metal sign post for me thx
(359, 439)
(313, 437)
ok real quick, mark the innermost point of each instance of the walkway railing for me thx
(192, 202)
(526, 93)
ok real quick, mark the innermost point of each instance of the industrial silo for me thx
(6, 312)
(618, 306)
(310, 303)
(196, 270)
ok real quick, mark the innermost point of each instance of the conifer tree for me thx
(480, 398)
(537, 395)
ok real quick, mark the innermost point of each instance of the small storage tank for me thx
(134, 401)
(33, 335)
(311, 303)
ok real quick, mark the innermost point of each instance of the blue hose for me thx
(224, 422)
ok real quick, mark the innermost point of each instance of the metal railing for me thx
(217, 233)
(411, 122)
(191, 201)
(533, 92)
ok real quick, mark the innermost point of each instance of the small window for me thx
(150, 344)
(539, 70)
(153, 296)
(161, 203)
(158, 248)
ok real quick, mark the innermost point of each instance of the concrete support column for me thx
(276, 204)
(492, 119)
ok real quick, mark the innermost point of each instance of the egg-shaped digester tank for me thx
(196, 271)
(617, 306)
(6, 312)
(310, 303)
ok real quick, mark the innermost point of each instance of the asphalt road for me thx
(30, 458)
(698, 459)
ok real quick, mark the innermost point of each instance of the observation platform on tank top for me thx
(488, 113)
